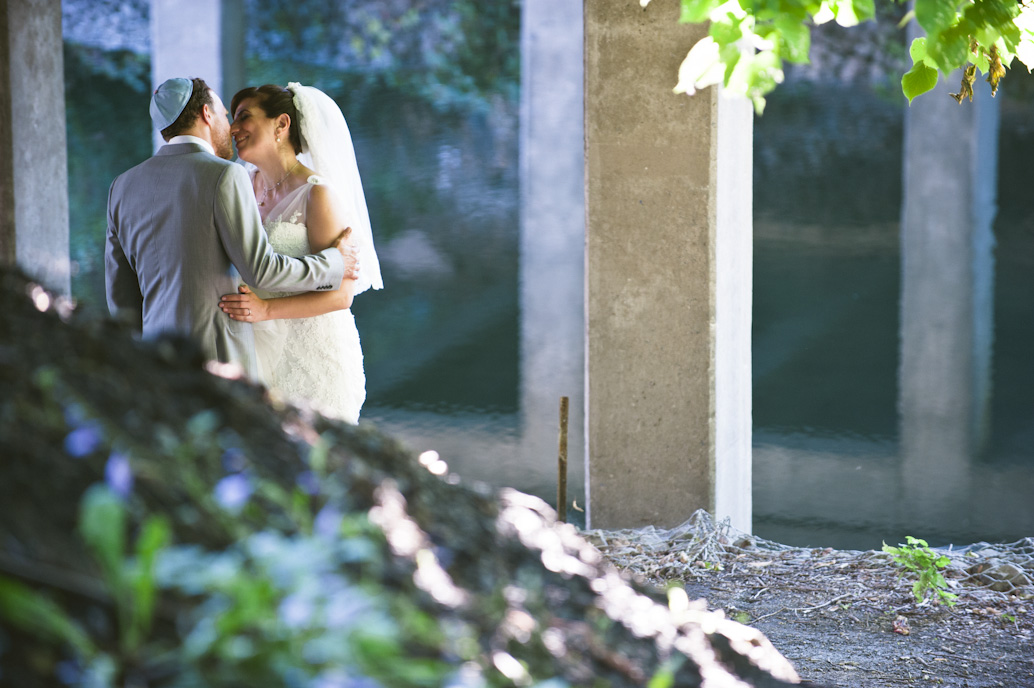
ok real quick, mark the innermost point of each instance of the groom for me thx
(184, 229)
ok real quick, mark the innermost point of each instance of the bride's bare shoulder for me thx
(321, 192)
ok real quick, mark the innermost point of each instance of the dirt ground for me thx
(848, 619)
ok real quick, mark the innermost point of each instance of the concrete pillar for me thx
(947, 310)
(198, 38)
(33, 155)
(668, 192)
(552, 203)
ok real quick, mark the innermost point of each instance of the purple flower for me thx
(308, 482)
(74, 415)
(295, 611)
(345, 608)
(233, 491)
(327, 523)
(234, 460)
(70, 673)
(83, 440)
(336, 678)
(119, 474)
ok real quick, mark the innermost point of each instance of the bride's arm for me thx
(324, 223)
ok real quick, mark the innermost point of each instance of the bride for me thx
(307, 186)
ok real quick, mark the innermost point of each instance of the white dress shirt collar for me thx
(187, 138)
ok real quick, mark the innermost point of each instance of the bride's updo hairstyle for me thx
(274, 101)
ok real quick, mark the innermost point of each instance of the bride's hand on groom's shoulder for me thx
(349, 251)
(244, 306)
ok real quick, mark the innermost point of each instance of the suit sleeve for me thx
(240, 230)
(121, 286)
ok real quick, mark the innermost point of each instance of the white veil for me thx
(327, 149)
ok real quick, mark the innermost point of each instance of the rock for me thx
(451, 583)
(1007, 577)
(900, 625)
(999, 575)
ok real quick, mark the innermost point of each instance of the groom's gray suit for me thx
(184, 229)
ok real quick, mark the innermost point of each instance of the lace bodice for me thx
(285, 222)
(286, 228)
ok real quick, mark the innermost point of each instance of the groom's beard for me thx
(224, 148)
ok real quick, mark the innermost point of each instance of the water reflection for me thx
(441, 340)
(883, 387)
(946, 301)
(483, 387)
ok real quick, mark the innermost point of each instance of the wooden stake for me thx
(561, 488)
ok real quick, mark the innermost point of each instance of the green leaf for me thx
(738, 70)
(951, 48)
(154, 537)
(203, 424)
(981, 62)
(726, 30)
(795, 39)
(318, 455)
(865, 9)
(935, 16)
(994, 14)
(821, 13)
(1011, 37)
(102, 523)
(917, 51)
(695, 11)
(918, 558)
(23, 607)
(664, 678)
(665, 675)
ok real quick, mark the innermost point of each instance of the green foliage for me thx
(456, 54)
(922, 77)
(301, 608)
(130, 580)
(293, 606)
(24, 608)
(303, 600)
(917, 559)
(108, 131)
(747, 43)
(665, 676)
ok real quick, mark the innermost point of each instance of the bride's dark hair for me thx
(274, 101)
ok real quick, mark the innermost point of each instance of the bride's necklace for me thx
(267, 189)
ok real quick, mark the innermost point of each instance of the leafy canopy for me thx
(748, 41)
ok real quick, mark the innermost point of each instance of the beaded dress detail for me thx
(316, 361)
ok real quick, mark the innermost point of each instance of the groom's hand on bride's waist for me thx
(349, 251)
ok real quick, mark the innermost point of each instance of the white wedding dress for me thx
(314, 361)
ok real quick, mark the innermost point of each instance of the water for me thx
(842, 455)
